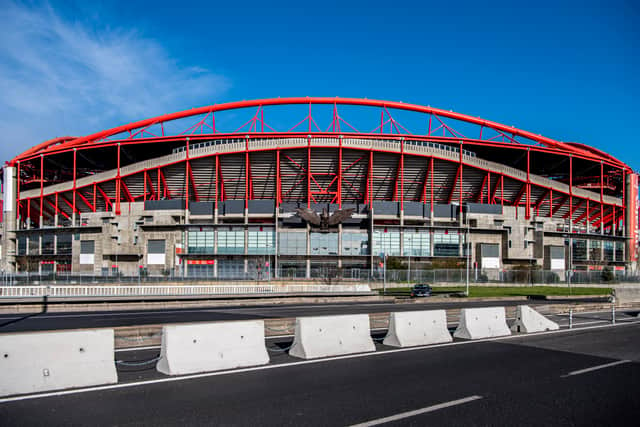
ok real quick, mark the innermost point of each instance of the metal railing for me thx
(331, 275)
(178, 290)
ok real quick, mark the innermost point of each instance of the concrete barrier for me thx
(487, 322)
(45, 361)
(205, 347)
(626, 294)
(528, 320)
(331, 336)
(411, 328)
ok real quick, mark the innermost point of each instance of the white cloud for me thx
(61, 77)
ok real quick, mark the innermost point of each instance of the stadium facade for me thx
(181, 194)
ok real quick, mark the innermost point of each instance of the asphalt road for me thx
(105, 319)
(578, 377)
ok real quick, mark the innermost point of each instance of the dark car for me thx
(421, 291)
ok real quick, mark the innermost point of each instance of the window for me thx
(261, 242)
(292, 243)
(34, 245)
(87, 246)
(48, 244)
(155, 246)
(386, 241)
(417, 243)
(579, 250)
(607, 247)
(446, 243)
(231, 242)
(619, 251)
(22, 245)
(324, 243)
(200, 242)
(594, 250)
(355, 244)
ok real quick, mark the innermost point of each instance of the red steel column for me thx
(117, 183)
(217, 177)
(551, 202)
(94, 194)
(42, 189)
(75, 172)
(527, 214)
(570, 192)
(431, 171)
(402, 174)
(461, 181)
(340, 174)
(602, 191)
(369, 178)
(144, 178)
(246, 172)
(186, 175)
(309, 169)
(18, 204)
(278, 179)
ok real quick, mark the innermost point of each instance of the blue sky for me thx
(567, 70)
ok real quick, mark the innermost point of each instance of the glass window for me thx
(619, 251)
(387, 242)
(292, 243)
(230, 269)
(355, 244)
(200, 242)
(34, 245)
(231, 242)
(261, 242)
(22, 244)
(607, 247)
(155, 247)
(324, 243)
(446, 243)
(594, 250)
(48, 244)
(579, 250)
(87, 246)
(417, 243)
(63, 244)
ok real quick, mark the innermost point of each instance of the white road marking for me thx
(297, 363)
(595, 368)
(408, 414)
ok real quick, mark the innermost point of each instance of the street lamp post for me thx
(409, 267)
(468, 245)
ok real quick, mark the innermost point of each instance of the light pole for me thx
(409, 267)
(468, 245)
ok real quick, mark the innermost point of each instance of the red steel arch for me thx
(138, 128)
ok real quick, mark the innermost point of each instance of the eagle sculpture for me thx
(324, 220)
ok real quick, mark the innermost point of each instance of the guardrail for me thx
(134, 291)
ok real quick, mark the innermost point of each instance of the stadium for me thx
(297, 187)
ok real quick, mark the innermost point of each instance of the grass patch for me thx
(514, 291)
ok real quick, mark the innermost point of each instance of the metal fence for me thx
(178, 290)
(331, 275)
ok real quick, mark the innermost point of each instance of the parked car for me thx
(422, 290)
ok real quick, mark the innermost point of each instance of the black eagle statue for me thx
(324, 220)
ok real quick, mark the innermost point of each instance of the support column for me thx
(570, 194)
(601, 196)
(41, 218)
(527, 210)
(10, 216)
(461, 182)
(187, 173)
(117, 184)
(75, 174)
(340, 174)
